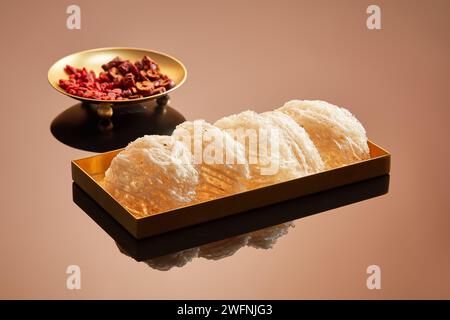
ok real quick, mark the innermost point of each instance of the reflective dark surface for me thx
(81, 127)
(231, 226)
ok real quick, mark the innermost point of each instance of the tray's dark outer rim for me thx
(233, 204)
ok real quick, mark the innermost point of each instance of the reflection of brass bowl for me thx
(95, 58)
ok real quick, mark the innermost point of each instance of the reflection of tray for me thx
(234, 225)
(88, 172)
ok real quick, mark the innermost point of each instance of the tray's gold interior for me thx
(96, 166)
(89, 172)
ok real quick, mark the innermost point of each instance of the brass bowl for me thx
(93, 60)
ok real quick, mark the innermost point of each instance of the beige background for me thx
(239, 54)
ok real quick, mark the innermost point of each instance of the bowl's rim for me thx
(129, 101)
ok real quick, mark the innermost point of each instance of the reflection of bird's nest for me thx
(267, 237)
(261, 239)
(177, 259)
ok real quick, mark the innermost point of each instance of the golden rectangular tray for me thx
(88, 172)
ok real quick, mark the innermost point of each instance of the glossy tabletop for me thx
(239, 55)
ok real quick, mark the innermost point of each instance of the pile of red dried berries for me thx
(121, 80)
